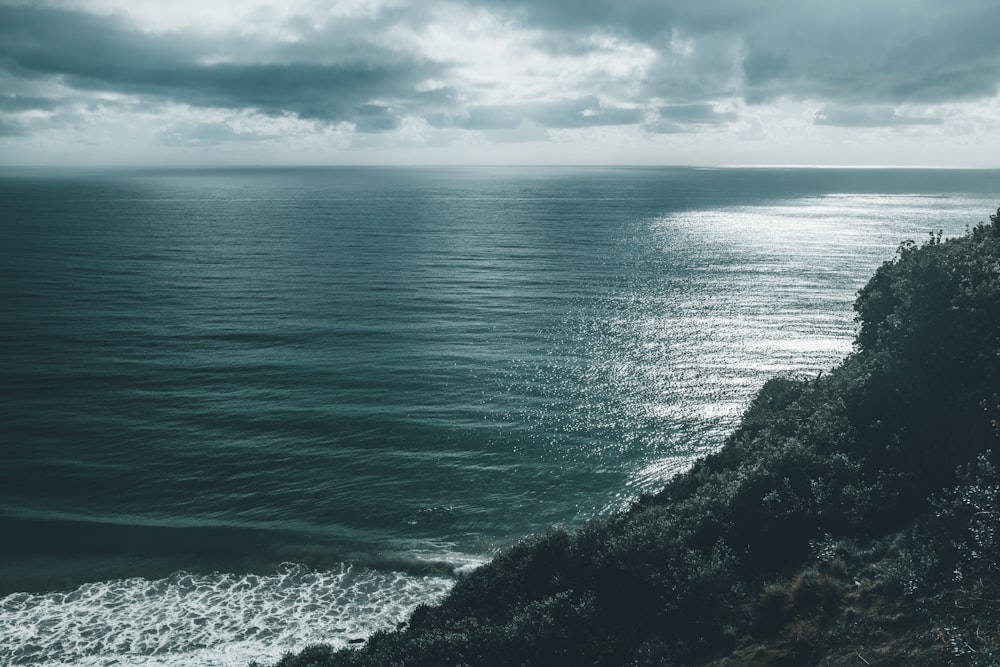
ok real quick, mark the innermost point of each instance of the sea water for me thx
(245, 410)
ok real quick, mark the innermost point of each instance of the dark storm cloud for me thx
(585, 111)
(646, 20)
(375, 118)
(856, 51)
(23, 103)
(872, 53)
(674, 118)
(10, 129)
(94, 53)
(23, 114)
(869, 117)
(921, 52)
(695, 114)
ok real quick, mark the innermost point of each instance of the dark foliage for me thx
(822, 476)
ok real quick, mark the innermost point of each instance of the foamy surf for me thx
(207, 619)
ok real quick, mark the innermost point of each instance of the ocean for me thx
(246, 410)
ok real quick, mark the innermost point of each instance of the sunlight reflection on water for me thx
(774, 287)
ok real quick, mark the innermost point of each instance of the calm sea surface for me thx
(246, 410)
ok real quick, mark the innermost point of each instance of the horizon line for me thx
(487, 165)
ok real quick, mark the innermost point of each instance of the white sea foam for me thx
(206, 619)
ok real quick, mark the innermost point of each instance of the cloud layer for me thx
(462, 73)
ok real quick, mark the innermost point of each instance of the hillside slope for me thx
(852, 518)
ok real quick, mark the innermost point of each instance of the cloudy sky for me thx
(700, 82)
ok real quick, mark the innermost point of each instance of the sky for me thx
(685, 82)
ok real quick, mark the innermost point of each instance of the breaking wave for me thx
(207, 619)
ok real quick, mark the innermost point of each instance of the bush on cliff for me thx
(889, 458)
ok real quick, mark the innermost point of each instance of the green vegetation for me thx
(852, 518)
